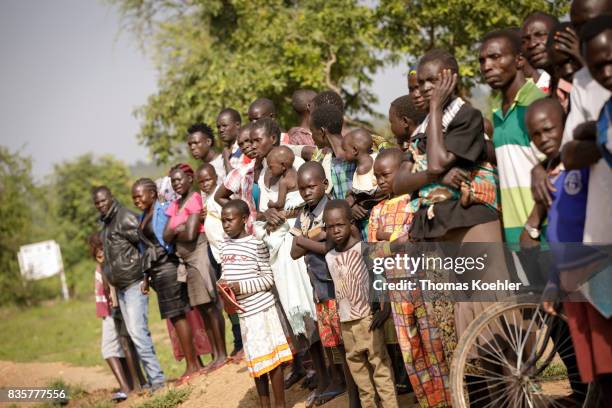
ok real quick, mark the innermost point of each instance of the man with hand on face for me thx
(534, 34)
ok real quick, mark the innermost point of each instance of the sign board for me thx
(42, 260)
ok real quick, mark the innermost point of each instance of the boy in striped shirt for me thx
(245, 262)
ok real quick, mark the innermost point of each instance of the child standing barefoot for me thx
(246, 270)
(280, 164)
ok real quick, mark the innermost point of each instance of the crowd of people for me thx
(272, 228)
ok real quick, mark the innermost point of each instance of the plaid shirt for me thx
(393, 215)
(240, 181)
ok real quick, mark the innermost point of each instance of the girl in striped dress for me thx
(245, 262)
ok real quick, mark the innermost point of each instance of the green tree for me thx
(75, 213)
(16, 187)
(409, 28)
(213, 54)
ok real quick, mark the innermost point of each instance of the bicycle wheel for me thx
(512, 356)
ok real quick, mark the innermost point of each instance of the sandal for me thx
(119, 396)
(325, 397)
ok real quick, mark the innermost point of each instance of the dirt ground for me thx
(229, 386)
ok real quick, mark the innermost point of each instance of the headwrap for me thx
(184, 167)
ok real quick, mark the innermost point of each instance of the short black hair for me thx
(313, 167)
(329, 117)
(202, 128)
(269, 126)
(547, 102)
(391, 152)
(339, 204)
(263, 103)
(511, 35)
(541, 15)
(239, 205)
(405, 107)
(445, 58)
(594, 27)
(301, 98)
(234, 114)
(328, 98)
(206, 166)
(99, 189)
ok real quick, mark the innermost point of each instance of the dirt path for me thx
(230, 386)
(40, 374)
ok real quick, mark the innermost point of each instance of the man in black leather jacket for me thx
(120, 239)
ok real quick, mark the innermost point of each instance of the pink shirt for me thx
(102, 306)
(178, 215)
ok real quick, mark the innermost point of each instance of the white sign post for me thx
(42, 260)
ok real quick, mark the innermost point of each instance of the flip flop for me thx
(210, 369)
(325, 397)
(188, 377)
(119, 396)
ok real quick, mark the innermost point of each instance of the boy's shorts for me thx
(328, 321)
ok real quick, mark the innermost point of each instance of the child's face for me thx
(100, 255)
(233, 222)
(311, 187)
(244, 143)
(545, 130)
(275, 166)
(397, 125)
(350, 150)
(207, 181)
(338, 225)
(317, 136)
(142, 198)
(385, 171)
(598, 53)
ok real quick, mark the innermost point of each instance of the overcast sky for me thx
(69, 82)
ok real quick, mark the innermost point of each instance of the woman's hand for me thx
(274, 217)
(454, 177)
(447, 81)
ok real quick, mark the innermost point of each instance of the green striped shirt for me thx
(516, 156)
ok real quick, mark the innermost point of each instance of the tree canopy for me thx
(74, 209)
(213, 54)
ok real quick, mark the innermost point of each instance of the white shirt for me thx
(586, 101)
(217, 163)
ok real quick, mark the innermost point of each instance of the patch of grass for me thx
(170, 399)
(555, 370)
(70, 332)
(100, 404)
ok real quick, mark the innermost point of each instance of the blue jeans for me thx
(135, 310)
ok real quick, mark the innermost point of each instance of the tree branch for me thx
(328, 67)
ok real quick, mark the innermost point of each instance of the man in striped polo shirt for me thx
(500, 64)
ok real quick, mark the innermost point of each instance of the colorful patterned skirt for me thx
(426, 336)
(265, 344)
